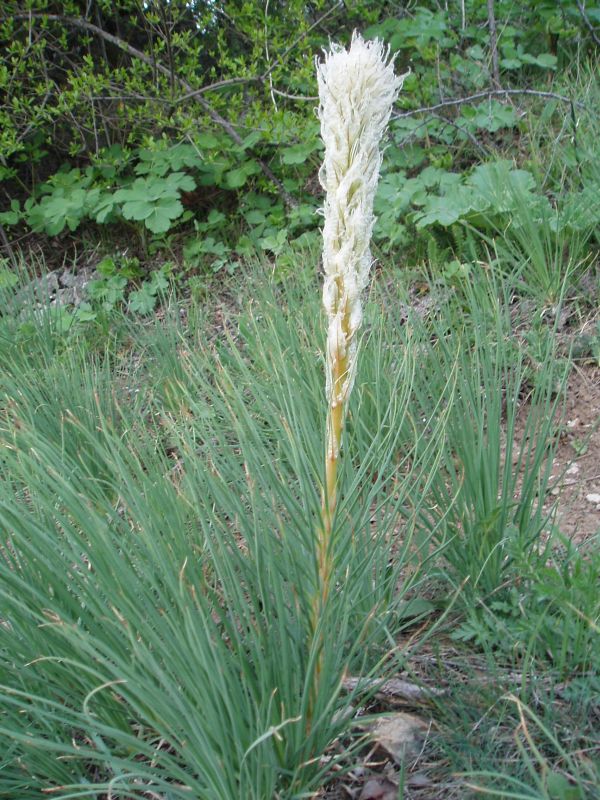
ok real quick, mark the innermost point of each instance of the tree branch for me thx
(482, 95)
(217, 85)
(265, 75)
(588, 22)
(296, 41)
(302, 97)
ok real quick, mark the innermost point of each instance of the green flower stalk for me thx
(357, 88)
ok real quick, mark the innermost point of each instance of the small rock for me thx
(593, 498)
(379, 789)
(563, 317)
(54, 289)
(38, 290)
(68, 278)
(76, 284)
(401, 735)
(573, 469)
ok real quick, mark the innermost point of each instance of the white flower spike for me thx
(357, 88)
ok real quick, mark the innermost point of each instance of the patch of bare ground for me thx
(576, 465)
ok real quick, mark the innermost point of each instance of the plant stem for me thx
(493, 43)
(335, 429)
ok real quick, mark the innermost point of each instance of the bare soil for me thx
(576, 466)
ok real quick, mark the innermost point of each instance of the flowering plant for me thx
(357, 88)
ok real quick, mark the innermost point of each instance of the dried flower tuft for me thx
(357, 88)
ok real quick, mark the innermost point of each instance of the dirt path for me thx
(576, 466)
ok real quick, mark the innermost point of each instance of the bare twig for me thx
(394, 688)
(493, 43)
(83, 24)
(588, 22)
(464, 131)
(298, 39)
(268, 56)
(261, 79)
(102, 42)
(239, 82)
(482, 96)
(312, 97)
(217, 85)
(23, 135)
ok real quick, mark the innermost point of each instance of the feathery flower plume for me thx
(357, 88)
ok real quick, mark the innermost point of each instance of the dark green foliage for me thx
(156, 117)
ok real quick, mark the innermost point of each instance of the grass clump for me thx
(158, 571)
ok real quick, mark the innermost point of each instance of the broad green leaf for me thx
(107, 267)
(108, 291)
(207, 141)
(155, 200)
(545, 60)
(164, 212)
(8, 278)
(476, 52)
(63, 208)
(559, 787)
(439, 210)
(104, 207)
(158, 282)
(275, 242)
(494, 115)
(143, 300)
(215, 217)
(298, 153)
(236, 178)
(12, 217)
(510, 63)
(138, 209)
(496, 183)
(160, 162)
(181, 181)
(255, 217)
(85, 313)
(250, 140)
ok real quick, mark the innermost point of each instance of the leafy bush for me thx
(161, 132)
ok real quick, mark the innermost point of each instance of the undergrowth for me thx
(159, 503)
